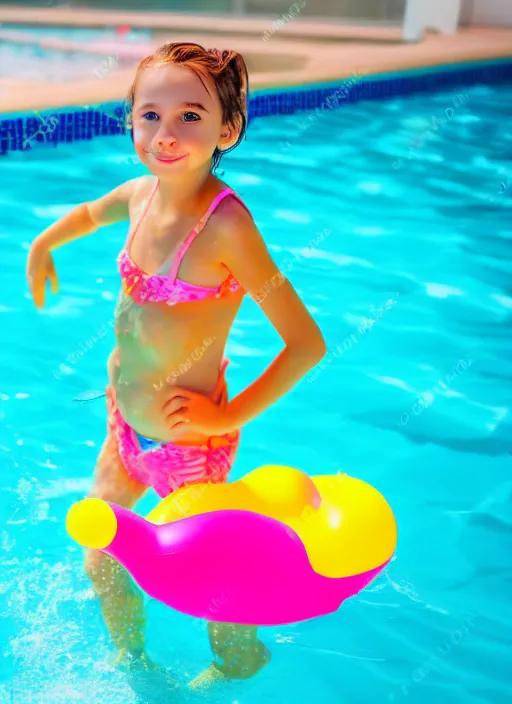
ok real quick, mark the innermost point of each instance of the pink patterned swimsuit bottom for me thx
(167, 466)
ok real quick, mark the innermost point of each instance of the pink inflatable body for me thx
(274, 547)
(271, 583)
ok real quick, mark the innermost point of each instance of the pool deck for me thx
(300, 52)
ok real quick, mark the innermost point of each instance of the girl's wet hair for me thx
(225, 68)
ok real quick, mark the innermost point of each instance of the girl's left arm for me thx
(245, 254)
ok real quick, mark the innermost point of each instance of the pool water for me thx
(393, 222)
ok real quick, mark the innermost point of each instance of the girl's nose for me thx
(166, 142)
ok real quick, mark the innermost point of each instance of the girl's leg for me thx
(121, 600)
(238, 654)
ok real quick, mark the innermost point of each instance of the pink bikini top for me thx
(154, 288)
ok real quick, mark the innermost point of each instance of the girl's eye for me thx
(151, 113)
(190, 113)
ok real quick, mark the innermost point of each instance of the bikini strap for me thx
(196, 230)
(142, 216)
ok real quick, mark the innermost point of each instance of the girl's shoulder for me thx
(233, 226)
(119, 203)
(231, 210)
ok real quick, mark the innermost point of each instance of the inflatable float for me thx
(272, 548)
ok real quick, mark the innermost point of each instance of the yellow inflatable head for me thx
(346, 526)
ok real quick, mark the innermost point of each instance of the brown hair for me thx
(226, 68)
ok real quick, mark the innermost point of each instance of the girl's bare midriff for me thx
(161, 346)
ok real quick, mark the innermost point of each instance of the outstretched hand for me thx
(40, 269)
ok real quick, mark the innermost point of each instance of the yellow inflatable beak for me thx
(92, 523)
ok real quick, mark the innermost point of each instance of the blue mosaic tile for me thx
(384, 90)
(31, 130)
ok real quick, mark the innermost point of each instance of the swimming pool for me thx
(393, 221)
(30, 62)
(26, 61)
(81, 34)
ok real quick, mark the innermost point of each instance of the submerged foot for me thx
(147, 678)
(207, 678)
(235, 669)
(126, 660)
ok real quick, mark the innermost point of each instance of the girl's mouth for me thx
(167, 159)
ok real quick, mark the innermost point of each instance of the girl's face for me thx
(177, 123)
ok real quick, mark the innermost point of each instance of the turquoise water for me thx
(398, 237)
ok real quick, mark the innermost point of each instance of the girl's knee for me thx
(242, 662)
(238, 654)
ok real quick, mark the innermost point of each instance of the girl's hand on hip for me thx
(40, 269)
(187, 411)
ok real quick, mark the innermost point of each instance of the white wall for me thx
(442, 15)
(490, 12)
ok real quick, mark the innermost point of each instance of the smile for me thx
(169, 159)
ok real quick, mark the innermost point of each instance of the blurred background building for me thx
(445, 15)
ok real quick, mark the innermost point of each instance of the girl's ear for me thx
(228, 137)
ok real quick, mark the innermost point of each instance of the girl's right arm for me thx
(83, 220)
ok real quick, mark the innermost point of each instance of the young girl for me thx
(192, 254)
